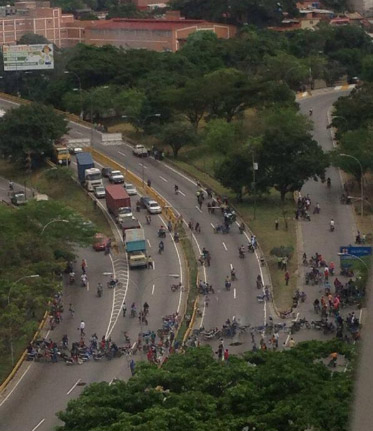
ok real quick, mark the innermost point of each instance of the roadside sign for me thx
(356, 251)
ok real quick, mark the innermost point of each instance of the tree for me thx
(32, 39)
(265, 391)
(130, 103)
(228, 93)
(367, 72)
(177, 135)
(220, 136)
(30, 130)
(128, 10)
(98, 102)
(288, 154)
(192, 100)
(359, 144)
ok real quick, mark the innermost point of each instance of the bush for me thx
(282, 251)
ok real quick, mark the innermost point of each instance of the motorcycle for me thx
(72, 278)
(112, 283)
(241, 253)
(175, 287)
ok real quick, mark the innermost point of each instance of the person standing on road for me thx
(287, 278)
(82, 327)
(84, 266)
(124, 309)
(132, 367)
(276, 224)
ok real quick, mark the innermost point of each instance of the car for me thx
(18, 198)
(100, 242)
(130, 188)
(140, 151)
(116, 177)
(75, 150)
(99, 192)
(125, 212)
(143, 201)
(106, 172)
(152, 206)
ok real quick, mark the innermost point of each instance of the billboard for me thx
(28, 57)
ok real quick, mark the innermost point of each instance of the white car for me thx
(130, 188)
(153, 206)
(116, 177)
(75, 150)
(100, 192)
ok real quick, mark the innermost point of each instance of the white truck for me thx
(93, 178)
(140, 151)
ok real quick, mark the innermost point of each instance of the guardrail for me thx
(82, 142)
(24, 354)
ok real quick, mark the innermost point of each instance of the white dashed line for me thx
(74, 386)
(225, 247)
(231, 266)
(143, 166)
(197, 207)
(149, 243)
(153, 289)
(183, 194)
(212, 226)
(163, 179)
(38, 425)
(234, 293)
(122, 154)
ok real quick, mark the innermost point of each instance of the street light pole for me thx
(68, 72)
(9, 292)
(355, 257)
(361, 180)
(56, 220)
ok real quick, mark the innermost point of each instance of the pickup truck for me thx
(140, 151)
(18, 198)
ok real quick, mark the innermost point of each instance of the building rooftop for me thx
(151, 24)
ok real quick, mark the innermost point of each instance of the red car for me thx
(100, 242)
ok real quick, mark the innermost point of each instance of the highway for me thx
(45, 388)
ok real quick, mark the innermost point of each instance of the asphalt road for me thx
(240, 301)
(40, 390)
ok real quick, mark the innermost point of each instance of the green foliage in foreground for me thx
(266, 391)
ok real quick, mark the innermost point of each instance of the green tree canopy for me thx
(30, 130)
(265, 391)
(288, 155)
(177, 134)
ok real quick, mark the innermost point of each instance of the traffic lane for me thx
(148, 285)
(187, 205)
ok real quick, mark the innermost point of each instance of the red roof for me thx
(151, 24)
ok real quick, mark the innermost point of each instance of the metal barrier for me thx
(111, 138)
(83, 142)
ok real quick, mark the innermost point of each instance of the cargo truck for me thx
(61, 154)
(88, 175)
(84, 161)
(93, 178)
(136, 248)
(116, 197)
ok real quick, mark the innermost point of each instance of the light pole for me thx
(56, 220)
(9, 292)
(355, 257)
(68, 72)
(361, 179)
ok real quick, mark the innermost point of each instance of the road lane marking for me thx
(198, 208)
(38, 425)
(74, 386)
(183, 194)
(234, 293)
(149, 243)
(153, 289)
(225, 247)
(122, 154)
(180, 174)
(19, 381)
(164, 179)
(153, 265)
(212, 225)
(231, 266)
(143, 166)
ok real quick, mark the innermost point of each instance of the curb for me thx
(5, 383)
